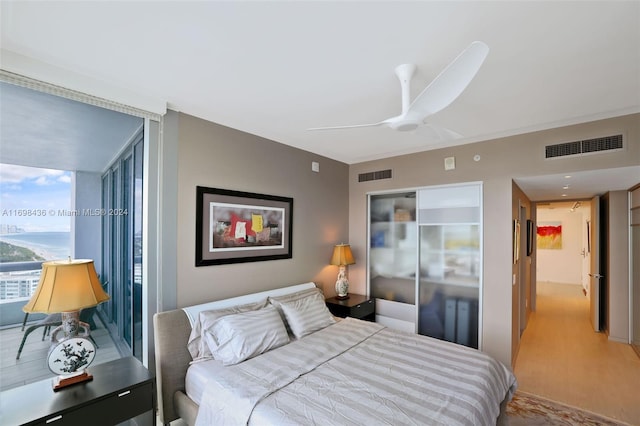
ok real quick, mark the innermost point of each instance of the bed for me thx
(279, 357)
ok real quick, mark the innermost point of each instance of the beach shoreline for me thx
(37, 250)
(46, 251)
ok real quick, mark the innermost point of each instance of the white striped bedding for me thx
(354, 373)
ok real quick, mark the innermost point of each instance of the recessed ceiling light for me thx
(565, 187)
(567, 176)
(564, 195)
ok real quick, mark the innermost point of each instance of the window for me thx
(122, 245)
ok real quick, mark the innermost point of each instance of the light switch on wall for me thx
(450, 163)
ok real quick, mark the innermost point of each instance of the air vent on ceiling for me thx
(380, 174)
(586, 146)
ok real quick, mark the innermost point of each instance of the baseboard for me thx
(617, 340)
(636, 348)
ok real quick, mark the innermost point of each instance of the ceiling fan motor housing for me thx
(404, 125)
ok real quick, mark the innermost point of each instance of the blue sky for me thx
(44, 190)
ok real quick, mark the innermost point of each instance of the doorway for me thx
(604, 237)
(564, 243)
(560, 344)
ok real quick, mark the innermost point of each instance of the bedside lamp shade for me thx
(342, 257)
(65, 286)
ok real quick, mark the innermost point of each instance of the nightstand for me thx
(120, 390)
(356, 306)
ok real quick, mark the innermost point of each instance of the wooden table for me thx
(356, 306)
(120, 390)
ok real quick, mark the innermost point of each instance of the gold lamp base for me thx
(61, 382)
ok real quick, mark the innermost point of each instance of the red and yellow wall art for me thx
(549, 235)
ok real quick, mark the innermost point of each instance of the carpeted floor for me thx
(531, 410)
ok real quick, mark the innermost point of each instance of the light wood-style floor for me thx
(563, 359)
(32, 365)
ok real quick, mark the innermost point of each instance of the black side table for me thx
(356, 306)
(120, 390)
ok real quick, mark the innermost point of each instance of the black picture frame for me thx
(516, 241)
(530, 237)
(237, 227)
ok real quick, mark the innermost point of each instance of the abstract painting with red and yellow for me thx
(549, 235)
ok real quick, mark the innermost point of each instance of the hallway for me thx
(562, 359)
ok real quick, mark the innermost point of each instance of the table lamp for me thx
(66, 287)
(342, 257)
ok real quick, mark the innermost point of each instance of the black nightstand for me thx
(356, 306)
(120, 390)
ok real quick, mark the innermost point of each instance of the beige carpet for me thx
(531, 410)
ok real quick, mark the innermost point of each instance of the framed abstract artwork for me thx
(549, 235)
(236, 227)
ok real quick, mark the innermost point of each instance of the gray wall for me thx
(215, 156)
(330, 207)
(501, 160)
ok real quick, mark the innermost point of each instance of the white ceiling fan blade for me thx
(450, 83)
(349, 127)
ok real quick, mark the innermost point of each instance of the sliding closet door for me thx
(449, 285)
(635, 265)
(393, 258)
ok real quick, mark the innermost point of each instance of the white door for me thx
(594, 286)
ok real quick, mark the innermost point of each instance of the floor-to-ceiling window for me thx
(122, 245)
(96, 131)
(138, 153)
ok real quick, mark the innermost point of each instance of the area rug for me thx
(531, 410)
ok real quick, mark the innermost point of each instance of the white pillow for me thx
(196, 345)
(307, 314)
(295, 296)
(277, 301)
(237, 337)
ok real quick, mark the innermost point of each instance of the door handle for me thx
(596, 276)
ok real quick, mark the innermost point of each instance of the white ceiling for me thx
(579, 185)
(275, 69)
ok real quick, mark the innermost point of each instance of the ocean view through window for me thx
(35, 223)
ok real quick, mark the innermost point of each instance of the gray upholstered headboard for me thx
(171, 331)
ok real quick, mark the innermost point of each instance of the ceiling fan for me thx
(442, 91)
